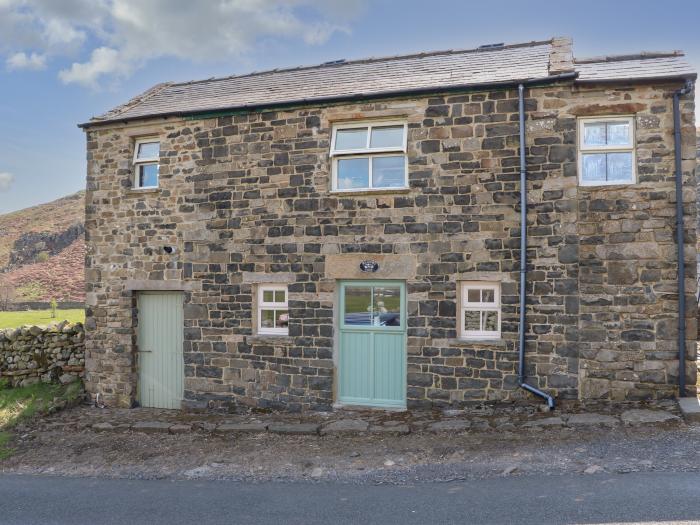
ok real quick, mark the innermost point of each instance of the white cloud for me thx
(22, 60)
(126, 34)
(6, 180)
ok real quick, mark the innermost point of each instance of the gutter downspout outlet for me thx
(523, 256)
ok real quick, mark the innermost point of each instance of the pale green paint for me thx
(160, 360)
(372, 359)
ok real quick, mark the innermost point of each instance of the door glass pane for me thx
(148, 175)
(387, 306)
(618, 133)
(490, 321)
(473, 295)
(351, 138)
(148, 150)
(619, 167)
(353, 173)
(594, 167)
(487, 296)
(389, 172)
(472, 321)
(268, 296)
(386, 137)
(594, 134)
(358, 306)
(279, 296)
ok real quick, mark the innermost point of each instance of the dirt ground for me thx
(497, 444)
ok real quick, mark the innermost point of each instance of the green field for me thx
(39, 317)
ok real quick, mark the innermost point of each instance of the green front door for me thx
(372, 344)
(160, 360)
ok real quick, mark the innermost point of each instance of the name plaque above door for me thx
(369, 266)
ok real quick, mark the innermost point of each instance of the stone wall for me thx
(249, 194)
(34, 353)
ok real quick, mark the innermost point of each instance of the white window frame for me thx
(631, 148)
(145, 161)
(262, 305)
(466, 306)
(368, 153)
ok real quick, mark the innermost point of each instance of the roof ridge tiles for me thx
(368, 60)
(643, 55)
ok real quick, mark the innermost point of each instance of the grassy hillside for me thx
(47, 275)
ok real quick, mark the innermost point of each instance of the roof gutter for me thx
(338, 98)
(680, 241)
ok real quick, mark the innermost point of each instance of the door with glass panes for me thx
(372, 344)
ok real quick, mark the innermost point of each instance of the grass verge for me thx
(40, 317)
(23, 403)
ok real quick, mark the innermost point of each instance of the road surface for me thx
(617, 498)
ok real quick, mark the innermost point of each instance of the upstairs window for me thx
(273, 312)
(146, 159)
(606, 151)
(480, 310)
(369, 156)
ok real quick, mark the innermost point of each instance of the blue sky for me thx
(63, 61)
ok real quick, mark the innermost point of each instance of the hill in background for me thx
(42, 250)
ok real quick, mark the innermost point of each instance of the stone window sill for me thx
(369, 193)
(271, 339)
(142, 191)
(501, 343)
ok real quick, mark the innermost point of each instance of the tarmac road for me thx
(662, 497)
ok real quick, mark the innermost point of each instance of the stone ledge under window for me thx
(141, 191)
(270, 339)
(371, 192)
(501, 343)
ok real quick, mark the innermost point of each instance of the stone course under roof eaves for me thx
(491, 65)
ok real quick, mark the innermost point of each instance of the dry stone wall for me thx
(30, 354)
(250, 194)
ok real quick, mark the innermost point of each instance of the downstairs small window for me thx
(480, 311)
(273, 312)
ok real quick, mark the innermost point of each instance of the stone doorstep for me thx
(235, 428)
(690, 409)
(294, 428)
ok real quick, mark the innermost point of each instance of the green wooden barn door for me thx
(372, 344)
(160, 361)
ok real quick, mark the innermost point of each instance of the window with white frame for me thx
(146, 159)
(606, 151)
(273, 312)
(369, 155)
(480, 310)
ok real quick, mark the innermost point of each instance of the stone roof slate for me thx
(345, 80)
(634, 67)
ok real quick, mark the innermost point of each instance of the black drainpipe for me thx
(523, 256)
(679, 233)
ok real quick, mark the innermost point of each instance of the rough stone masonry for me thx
(30, 354)
(248, 194)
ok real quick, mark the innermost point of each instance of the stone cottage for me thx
(349, 234)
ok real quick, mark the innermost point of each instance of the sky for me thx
(64, 61)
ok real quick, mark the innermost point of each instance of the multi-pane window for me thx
(480, 310)
(369, 156)
(273, 312)
(606, 151)
(146, 159)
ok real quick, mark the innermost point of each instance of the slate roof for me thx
(644, 66)
(358, 79)
(348, 79)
